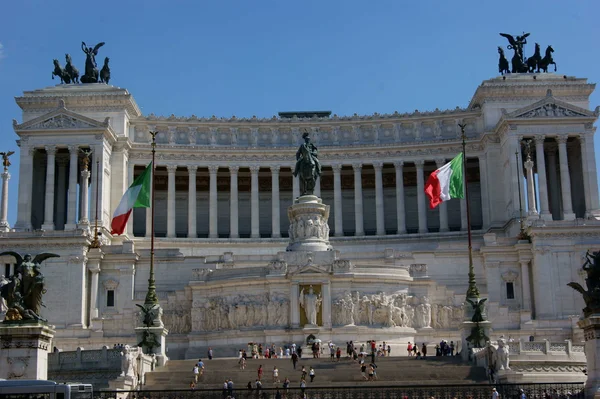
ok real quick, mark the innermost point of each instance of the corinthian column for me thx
(400, 216)
(444, 205)
(380, 214)
(171, 169)
(192, 170)
(4, 226)
(358, 200)
(212, 215)
(233, 203)
(275, 223)
(49, 209)
(421, 206)
(25, 192)
(84, 221)
(254, 220)
(72, 201)
(531, 207)
(565, 179)
(337, 199)
(542, 179)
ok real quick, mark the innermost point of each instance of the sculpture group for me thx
(22, 292)
(70, 74)
(520, 63)
(591, 296)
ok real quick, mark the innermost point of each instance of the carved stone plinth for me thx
(466, 330)
(309, 230)
(24, 351)
(591, 332)
(160, 335)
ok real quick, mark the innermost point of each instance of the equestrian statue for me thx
(308, 167)
(591, 296)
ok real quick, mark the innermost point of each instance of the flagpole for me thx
(151, 298)
(96, 241)
(472, 291)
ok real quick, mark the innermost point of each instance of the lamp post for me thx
(151, 298)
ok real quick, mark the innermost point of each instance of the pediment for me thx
(61, 119)
(310, 269)
(550, 107)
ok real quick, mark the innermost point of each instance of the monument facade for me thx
(241, 240)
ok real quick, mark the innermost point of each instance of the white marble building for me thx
(398, 271)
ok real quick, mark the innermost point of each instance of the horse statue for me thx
(591, 296)
(533, 62)
(58, 71)
(503, 62)
(71, 70)
(105, 71)
(547, 60)
(308, 167)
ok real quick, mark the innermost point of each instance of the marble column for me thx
(275, 223)
(358, 200)
(95, 256)
(171, 169)
(295, 187)
(130, 178)
(400, 212)
(233, 202)
(326, 295)
(588, 156)
(531, 206)
(254, 219)
(213, 229)
(337, 199)
(317, 191)
(525, 285)
(565, 179)
(84, 221)
(4, 226)
(72, 201)
(586, 176)
(542, 182)
(553, 184)
(61, 192)
(379, 209)
(295, 305)
(483, 183)
(192, 171)
(49, 208)
(443, 207)
(24, 204)
(421, 205)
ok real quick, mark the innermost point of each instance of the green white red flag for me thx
(136, 196)
(446, 182)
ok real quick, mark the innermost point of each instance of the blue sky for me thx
(249, 58)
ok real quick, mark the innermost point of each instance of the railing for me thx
(480, 391)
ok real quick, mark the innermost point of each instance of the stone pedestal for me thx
(591, 331)
(309, 230)
(465, 331)
(160, 333)
(24, 351)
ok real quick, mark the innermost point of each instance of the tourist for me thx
(414, 349)
(258, 385)
(338, 353)
(389, 350)
(332, 352)
(192, 385)
(278, 394)
(286, 384)
(260, 351)
(314, 350)
(371, 372)
(275, 375)
(424, 350)
(267, 353)
(303, 386)
(495, 394)
(242, 363)
(373, 367)
(196, 373)
(249, 386)
(225, 389)
(293, 348)
(451, 348)
(200, 366)
(280, 352)
(287, 352)
(210, 353)
(303, 372)
(240, 354)
(362, 349)
(299, 352)
(294, 359)
(409, 348)
(311, 374)
(259, 372)
(522, 394)
(230, 387)
(384, 349)
(245, 355)
(363, 369)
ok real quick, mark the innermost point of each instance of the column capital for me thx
(85, 174)
(213, 169)
(357, 167)
(378, 166)
(528, 164)
(31, 151)
(192, 169)
(234, 169)
(337, 168)
(562, 138)
(539, 139)
(398, 164)
(5, 175)
(440, 162)
(275, 169)
(171, 169)
(50, 149)
(254, 169)
(419, 163)
(73, 149)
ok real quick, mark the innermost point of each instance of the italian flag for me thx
(136, 196)
(446, 182)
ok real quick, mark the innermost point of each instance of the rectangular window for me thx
(6, 269)
(510, 291)
(110, 298)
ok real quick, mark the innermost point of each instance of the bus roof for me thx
(17, 383)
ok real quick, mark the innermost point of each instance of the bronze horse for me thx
(58, 71)
(533, 62)
(547, 60)
(71, 70)
(502, 62)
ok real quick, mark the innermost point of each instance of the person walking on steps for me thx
(311, 374)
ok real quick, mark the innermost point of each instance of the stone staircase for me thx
(178, 374)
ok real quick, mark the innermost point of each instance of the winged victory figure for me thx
(5, 160)
(91, 68)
